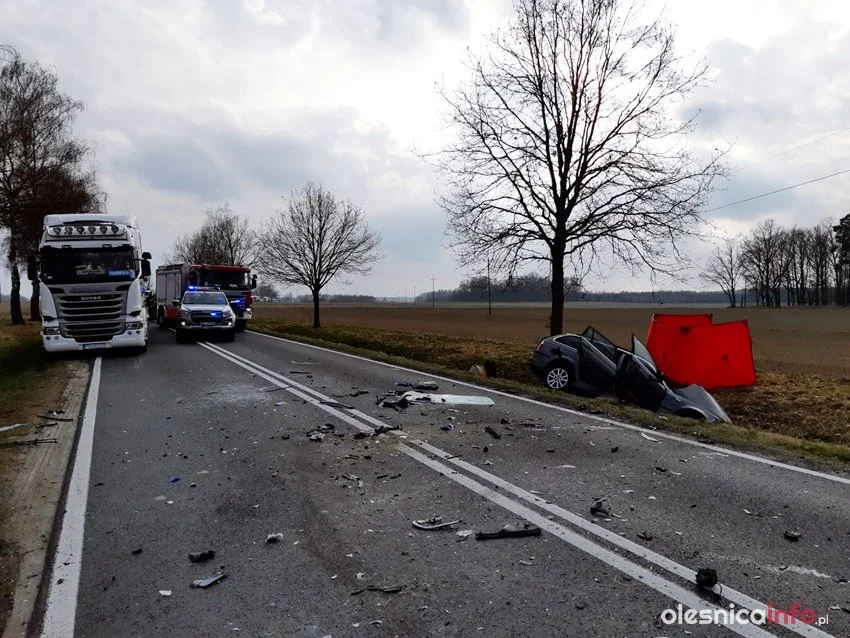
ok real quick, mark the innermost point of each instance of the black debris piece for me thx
(660, 469)
(381, 429)
(136, 551)
(337, 404)
(509, 531)
(389, 589)
(54, 417)
(645, 536)
(615, 449)
(361, 435)
(599, 509)
(46, 425)
(201, 557)
(27, 442)
(203, 583)
(492, 432)
(425, 385)
(274, 538)
(504, 421)
(792, 536)
(706, 577)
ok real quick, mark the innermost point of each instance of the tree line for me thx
(773, 265)
(44, 169)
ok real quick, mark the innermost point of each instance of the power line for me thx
(790, 150)
(779, 190)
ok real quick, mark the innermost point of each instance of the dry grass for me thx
(802, 354)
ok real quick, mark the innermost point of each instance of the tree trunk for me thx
(316, 323)
(733, 298)
(17, 315)
(556, 319)
(35, 311)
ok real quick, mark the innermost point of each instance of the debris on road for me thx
(426, 385)
(433, 523)
(381, 429)
(274, 538)
(27, 442)
(42, 425)
(318, 434)
(203, 583)
(174, 479)
(136, 551)
(615, 449)
(12, 427)
(411, 397)
(361, 435)
(663, 470)
(492, 432)
(649, 438)
(448, 427)
(510, 531)
(389, 589)
(598, 508)
(465, 533)
(792, 536)
(706, 577)
(355, 393)
(645, 536)
(165, 592)
(201, 557)
(336, 404)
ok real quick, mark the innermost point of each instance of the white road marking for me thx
(61, 611)
(628, 426)
(681, 571)
(648, 578)
(739, 598)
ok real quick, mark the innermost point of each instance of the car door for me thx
(594, 368)
(637, 383)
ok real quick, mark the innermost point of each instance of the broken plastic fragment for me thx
(510, 531)
(203, 583)
(200, 557)
(433, 523)
(274, 538)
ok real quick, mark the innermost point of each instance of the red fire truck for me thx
(236, 282)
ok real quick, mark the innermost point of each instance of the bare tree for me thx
(316, 237)
(840, 256)
(820, 258)
(724, 269)
(798, 247)
(565, 152)
(765, 262)
(35, 146)
(223, 238)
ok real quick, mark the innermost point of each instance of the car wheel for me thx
(558, 377)
(230, 336)
(241, 324)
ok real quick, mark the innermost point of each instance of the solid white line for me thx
(648, 578)
(739, 598)
(689, 575)
(627, 426)
(61, 611)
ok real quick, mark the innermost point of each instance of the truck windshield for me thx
(210, 298)
(86, 265)
(225, 279)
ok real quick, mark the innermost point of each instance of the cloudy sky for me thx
(194, 103)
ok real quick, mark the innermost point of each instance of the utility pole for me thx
(433, 291)
(414, 294)
(405, 296)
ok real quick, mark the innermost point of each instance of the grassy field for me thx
(802, 354)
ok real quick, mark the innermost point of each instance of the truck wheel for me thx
(230, 336)
(160, 317)
(241, 324)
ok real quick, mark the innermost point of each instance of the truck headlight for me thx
(50, 331)
(135, 325)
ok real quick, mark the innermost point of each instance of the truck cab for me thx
(92, 275)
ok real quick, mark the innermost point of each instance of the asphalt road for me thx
(231, 422)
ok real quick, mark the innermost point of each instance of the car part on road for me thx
(645, 536)
(337, 404)
(277, 537)
(433, 523)
(203, 583)
(448, 427)
(165, 592)
(492, 432)
(136, 551)
(201, 557)
(598, 508)
(509, 531)
(792, 536)
(389, 589)
(706, 577)
(54, 417)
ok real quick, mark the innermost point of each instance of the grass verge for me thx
(794, 416)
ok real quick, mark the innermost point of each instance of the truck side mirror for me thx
(146, 268)
(32, 269)
(146, 255)
(253, 281)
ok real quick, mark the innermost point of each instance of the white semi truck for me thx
(92, 277)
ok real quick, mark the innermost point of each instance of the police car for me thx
(204, 312)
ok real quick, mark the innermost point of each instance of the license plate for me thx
(94, 346)
(207, 323)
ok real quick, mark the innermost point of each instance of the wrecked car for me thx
(592, 364)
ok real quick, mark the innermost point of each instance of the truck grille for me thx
(91, 317)
(199, 316)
